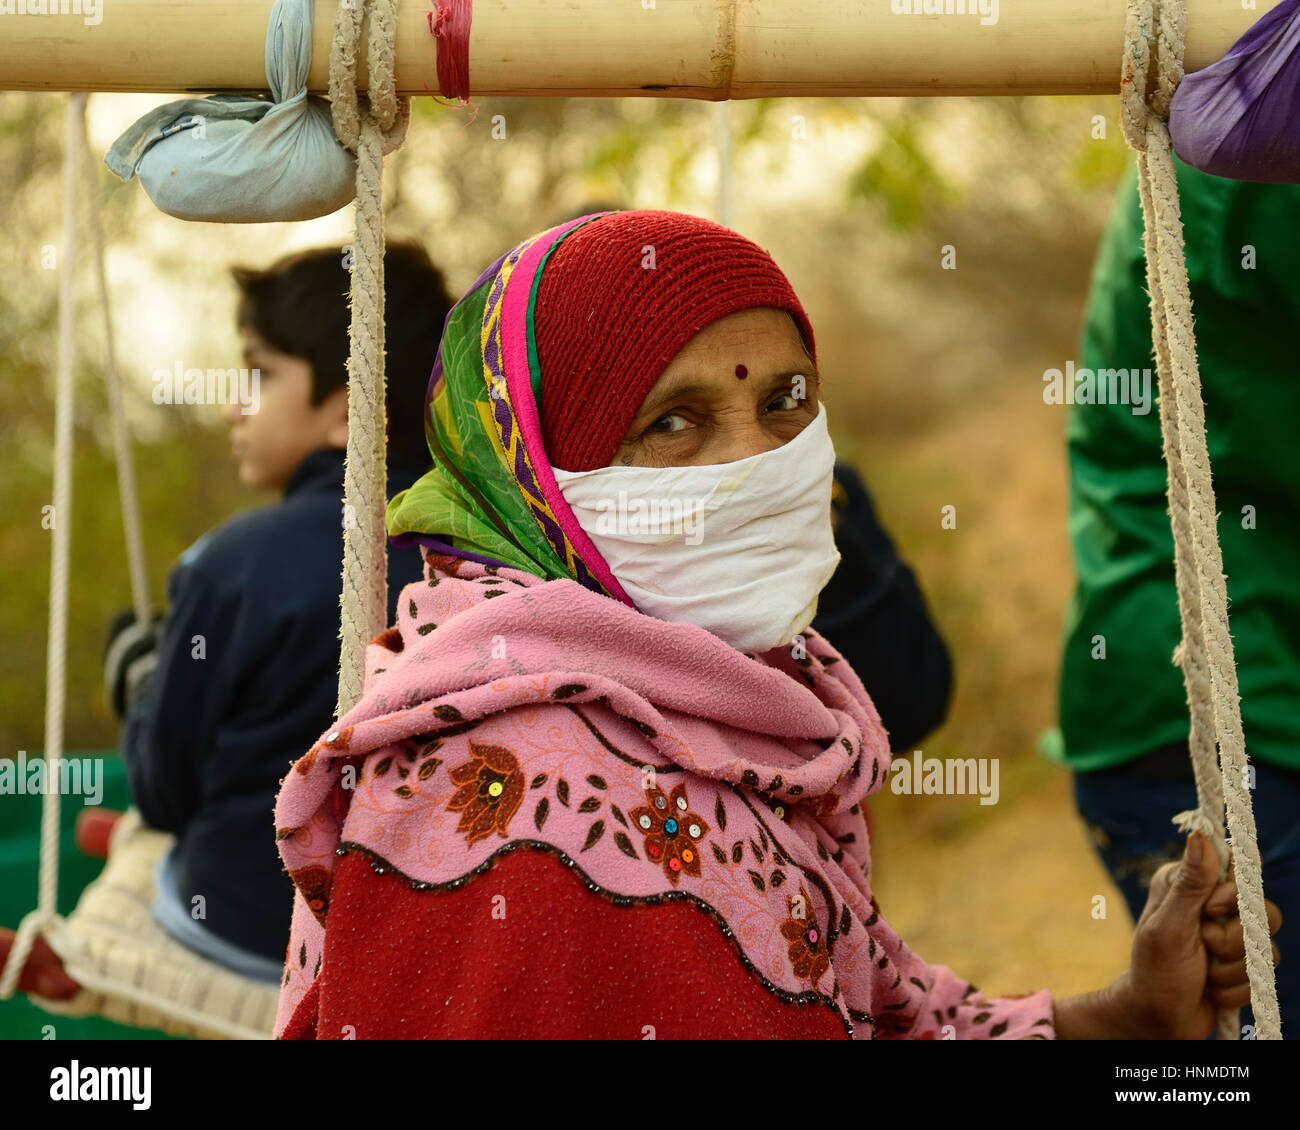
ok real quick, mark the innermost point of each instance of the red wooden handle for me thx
(43, 974)
(94, 827)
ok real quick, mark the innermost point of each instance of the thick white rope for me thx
(126, 489)
(45, 918)
(1205, 653)
(726, 174)
(370, 133)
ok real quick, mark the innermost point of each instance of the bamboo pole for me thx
(708, 49)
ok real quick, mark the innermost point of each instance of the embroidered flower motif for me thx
(491, 786)
(446, 563)
(314, 883)
(339, 739)
(672, 832)
(390, 640)
(808, 955)
(783, 810)
(825, 805)
(336, 741)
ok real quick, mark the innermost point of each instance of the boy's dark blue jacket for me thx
(246, 682)
(874, 614)
(248, 671)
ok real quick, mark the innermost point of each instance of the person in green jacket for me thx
(1123, 713)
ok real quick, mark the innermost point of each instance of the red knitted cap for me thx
(618, 299)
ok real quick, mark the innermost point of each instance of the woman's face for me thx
(741, 386)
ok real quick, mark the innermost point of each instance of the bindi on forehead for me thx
(741, 372)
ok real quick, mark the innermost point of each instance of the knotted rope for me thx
(44, 920)
(99, 973)
(131, 529)
(369, 132)
(1205, 653)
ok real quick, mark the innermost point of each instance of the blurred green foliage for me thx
(900, 176)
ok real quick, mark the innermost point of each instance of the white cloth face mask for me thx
(743, 549)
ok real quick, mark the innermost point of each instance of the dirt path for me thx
(1003, 895)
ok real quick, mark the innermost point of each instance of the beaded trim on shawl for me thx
(382, 866)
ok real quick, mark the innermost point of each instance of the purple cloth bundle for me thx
(1240, 117)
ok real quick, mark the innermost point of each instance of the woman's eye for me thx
(794, 403)
(657, 430)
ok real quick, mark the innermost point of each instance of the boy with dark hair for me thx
(246, 663)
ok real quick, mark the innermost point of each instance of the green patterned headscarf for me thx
(491, 495)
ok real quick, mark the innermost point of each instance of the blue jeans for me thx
(174, 917)
(1129, 815)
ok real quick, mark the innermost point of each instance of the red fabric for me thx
(408, 964)
(302, 1024)
(607, 323)
(450, 29)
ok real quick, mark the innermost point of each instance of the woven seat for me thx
(157, 982)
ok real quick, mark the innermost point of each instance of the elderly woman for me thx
(604, 782)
